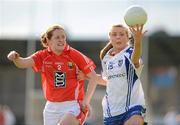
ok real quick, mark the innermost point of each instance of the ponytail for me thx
(105, 50)
(44, 40)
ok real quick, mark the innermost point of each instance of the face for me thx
(118, 38)
(57, 41)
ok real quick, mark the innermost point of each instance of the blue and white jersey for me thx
(123, 89)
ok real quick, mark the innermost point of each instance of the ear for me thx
(109, 34)
(48, 42)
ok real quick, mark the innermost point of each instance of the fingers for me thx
(84, 109)
(132, 29)
(136, 28)
(141, 28)
(89, 111)
(13, 55)
(145, 32)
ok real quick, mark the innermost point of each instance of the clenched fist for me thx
(13, 55)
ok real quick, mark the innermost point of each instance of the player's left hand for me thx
(137, 32)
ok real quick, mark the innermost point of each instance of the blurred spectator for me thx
(9, 117)
(170, 117)
(1, 115)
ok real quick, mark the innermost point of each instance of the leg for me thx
(50, 118)
(114, 120)
(135, 120)
(69, 119)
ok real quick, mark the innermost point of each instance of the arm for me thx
(90, 89)
(138, 35)
(99, 79)
(19, 61)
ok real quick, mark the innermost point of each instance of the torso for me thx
(122, 83)
(59, 81)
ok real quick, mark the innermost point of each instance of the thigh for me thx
(51, 118)
(135, 120)
(115, 120)
(55, 112)
(69, 119)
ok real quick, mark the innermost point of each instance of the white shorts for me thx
(54, 111)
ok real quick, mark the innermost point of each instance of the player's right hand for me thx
(13, 55)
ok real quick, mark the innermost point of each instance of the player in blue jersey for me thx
(123, 103)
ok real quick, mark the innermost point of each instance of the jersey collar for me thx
(109, 52)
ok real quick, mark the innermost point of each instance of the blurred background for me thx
(87, 23)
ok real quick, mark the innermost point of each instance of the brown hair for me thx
(48, 34)
(109, 45)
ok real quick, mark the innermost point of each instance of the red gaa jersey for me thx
(59, 79)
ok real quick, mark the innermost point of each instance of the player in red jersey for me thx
(58, 64)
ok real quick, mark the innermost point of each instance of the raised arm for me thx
(138, 34)
(19, 61)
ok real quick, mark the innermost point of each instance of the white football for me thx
(135, 15)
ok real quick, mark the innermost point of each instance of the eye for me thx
(114, 34)
(121, 34)
(57, 37)
(63, 36)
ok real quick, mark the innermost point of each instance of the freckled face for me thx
(118, 38)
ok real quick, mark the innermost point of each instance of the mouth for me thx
(119, 43)
(60, 44)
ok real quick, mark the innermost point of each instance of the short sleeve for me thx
(37, 57)
(85, 64)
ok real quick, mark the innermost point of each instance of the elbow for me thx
(136, 65)
(135, 62)
(21, 66)
(92, 77)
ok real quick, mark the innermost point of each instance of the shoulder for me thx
(74, 53)
(128, 52)
(41, 53)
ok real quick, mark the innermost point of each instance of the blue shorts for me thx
(122, 118)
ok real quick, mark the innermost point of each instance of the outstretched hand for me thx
(137, 32)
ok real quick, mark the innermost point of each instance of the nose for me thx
(61, 39)
(118, 36)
